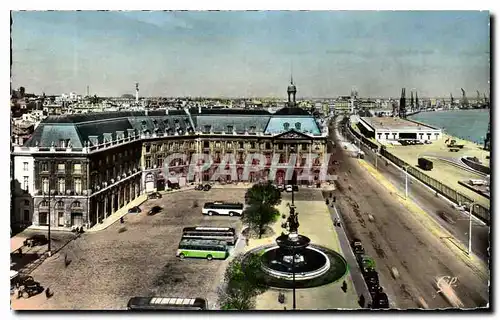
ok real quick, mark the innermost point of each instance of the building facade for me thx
(385, 129)
(79, 169)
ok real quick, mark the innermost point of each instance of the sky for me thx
(251, 53)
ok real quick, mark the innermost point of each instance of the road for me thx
(399, 238)
(458, 225)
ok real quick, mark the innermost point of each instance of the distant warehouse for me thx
(395, 129)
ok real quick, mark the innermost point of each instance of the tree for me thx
(263, 193)
(261, 198)
(241, 283)
(259, 216)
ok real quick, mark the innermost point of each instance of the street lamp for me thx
(49, 217)
(406, 181)
(469, 251)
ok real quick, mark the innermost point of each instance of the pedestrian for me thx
(362, 301)
(20, 251)
(344, 286)
(247, 241)
(48, 293)
(121, 220)
(334, 198)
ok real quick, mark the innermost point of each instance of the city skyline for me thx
(251, 54)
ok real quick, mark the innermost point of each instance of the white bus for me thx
(211, 233)
(223, 208)
(160, 303)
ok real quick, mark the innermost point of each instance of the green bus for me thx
(198, 248)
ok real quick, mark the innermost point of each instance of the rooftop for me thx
(390, 123)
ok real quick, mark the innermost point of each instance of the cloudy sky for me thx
(250, 54)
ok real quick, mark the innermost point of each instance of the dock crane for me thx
(465, 103)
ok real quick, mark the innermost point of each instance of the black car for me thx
(374, 289)
(357, 247)
(154, 195)
(36, 240)
(134, 210)
(371, 278)
(154, 210)
(380, 301)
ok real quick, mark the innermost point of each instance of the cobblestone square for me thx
(136, 258)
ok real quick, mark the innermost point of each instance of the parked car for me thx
(371, 277)
(135, 209)
(380, 301)
(281, 187)
(288, 188)
(154, 210)
(154, 195)
(357, 247)
(29, 287)
(36, 240)
(366, 263)
(374, 289)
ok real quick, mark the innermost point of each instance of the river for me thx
(470, 125)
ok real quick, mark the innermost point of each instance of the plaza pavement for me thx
(315, 223)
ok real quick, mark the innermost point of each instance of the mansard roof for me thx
(79, 128)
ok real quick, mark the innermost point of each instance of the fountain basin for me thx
(316, 264)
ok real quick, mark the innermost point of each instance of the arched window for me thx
(76, 204)
(149, 177)
(44, 203)
(60, 205)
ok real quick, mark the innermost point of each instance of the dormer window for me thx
(252, 129)
(229, 128)
(286, 126)
(63, 143)
(297, 125)
(207, 128)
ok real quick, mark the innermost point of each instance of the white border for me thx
(195, 5)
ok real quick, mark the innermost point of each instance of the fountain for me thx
(296, 263)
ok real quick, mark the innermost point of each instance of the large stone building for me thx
(84, 167)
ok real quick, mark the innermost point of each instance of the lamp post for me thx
(471, 209)
(406, 182)
(49, 217)
(294, 182)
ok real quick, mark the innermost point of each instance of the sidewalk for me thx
(357, 277)
(118, 214)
